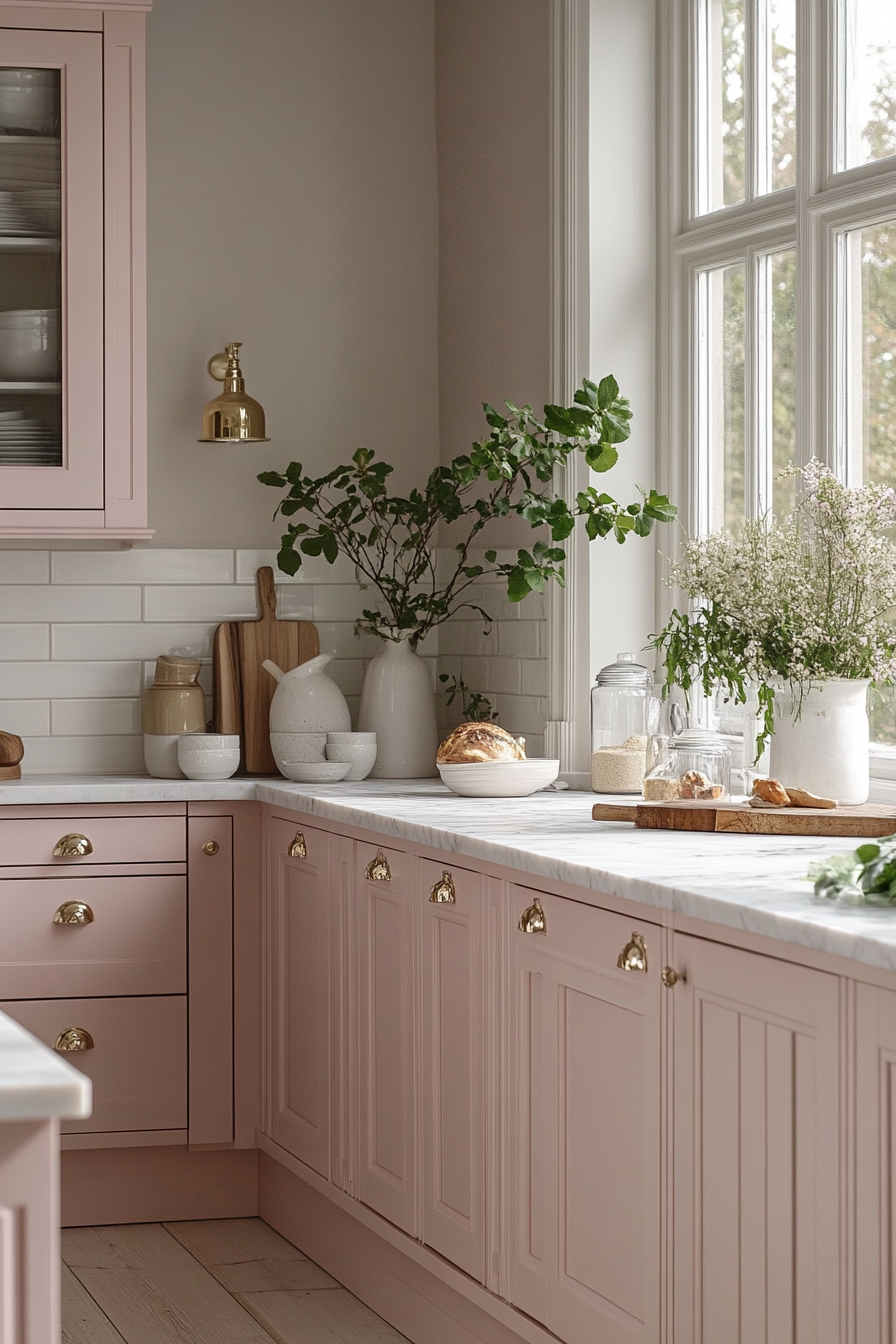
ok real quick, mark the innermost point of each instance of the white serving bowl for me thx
(499, 779)
(315, 772)
(28, 101)
(208, 755)
(360, 755)
(299, 746)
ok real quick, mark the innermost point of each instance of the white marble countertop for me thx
(35, 1083)
(754, 883)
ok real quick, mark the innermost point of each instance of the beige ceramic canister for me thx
(173, 705)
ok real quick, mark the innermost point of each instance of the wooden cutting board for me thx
(243, 690)
(863, 821)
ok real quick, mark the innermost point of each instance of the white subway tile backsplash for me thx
(25, 717)
(74, 718)
(80, 632)
(50, 602)
(21, 642)
(142, 565)
(89, 755)
(130, 640)
(64, 680)
(24, 567)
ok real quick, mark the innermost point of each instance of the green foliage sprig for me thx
(391, 539)
(477, 708)
(866, 876)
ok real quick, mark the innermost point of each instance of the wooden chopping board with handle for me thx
(243, 690)
(865, 820)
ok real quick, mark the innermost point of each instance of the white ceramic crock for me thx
(825, 750)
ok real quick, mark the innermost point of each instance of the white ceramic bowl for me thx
(360, 755)
(208, 755)
(28, 101)
(299, 746)
(499, 779)
(351, 739)
(315, 772)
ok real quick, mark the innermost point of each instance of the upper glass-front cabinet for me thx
(72, 292)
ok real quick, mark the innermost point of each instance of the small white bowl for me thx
(315, 772)
(499, 779)
(208, 755)
(360, 755)
(299, 746)
(351, 739)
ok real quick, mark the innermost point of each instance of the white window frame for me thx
(814, 215)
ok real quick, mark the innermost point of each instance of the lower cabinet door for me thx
(585, 1171)
(299, 1009)
(875, 1215)
(135, 1056)
(451, 912)
(757, 1164)
(385, 1111)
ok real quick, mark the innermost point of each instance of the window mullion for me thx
(759, 386)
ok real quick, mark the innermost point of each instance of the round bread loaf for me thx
(480, 742)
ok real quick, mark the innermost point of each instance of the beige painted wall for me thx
(292, 205)
(493, 128)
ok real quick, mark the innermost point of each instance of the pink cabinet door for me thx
(757, 1162)
(297, 920)
(585, 1174)
(875, 1123)
(385, 1111)
(210, 850)
(453, 1017)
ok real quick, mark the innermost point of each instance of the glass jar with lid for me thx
(619, 726)
(696, 766)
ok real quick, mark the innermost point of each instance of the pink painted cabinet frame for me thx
(101, 488)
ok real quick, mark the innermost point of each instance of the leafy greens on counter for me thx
(867, 876)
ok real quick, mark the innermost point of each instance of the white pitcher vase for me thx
(397, 704)
(825, 749)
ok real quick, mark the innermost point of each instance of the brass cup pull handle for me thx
(210, 847)
(378, 869)
(442, 892)
(532, 920)
(671, 978)
(73, 912)
(72, 846)
(633, 956)
(73, 1039)
(298, 849)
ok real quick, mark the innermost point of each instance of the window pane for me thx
(869, 80)
(782, 428)
(725, 103)
(723, 349)
(873, 254)
(782, 93)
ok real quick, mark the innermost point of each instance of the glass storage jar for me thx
(619, 726)
(696, 765)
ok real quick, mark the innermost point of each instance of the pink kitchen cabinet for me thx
(757, 1149)
(875, 1164)
(84, 261)
(384, 1116)
(298, 953)
(451, 911)
(584, 1159)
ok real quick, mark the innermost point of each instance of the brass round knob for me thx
(72, 846)
(73, 1039)
(210, 847)
(73, 912)
(670, 977)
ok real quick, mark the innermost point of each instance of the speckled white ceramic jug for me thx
(825, 750)
(306, 700)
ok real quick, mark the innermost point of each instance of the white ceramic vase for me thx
(397, 704)
(306, 700)
(825, 750)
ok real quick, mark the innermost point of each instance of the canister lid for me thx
(624, 672)
(699, 739)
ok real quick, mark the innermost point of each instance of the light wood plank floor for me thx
(227, 1281)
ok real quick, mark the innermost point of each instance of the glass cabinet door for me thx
(51, 270)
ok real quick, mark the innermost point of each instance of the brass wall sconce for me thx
(231, 417)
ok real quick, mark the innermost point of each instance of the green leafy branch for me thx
(391, 539)
(476, 707)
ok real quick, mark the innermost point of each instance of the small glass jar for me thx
(696, 766)
(619, 726)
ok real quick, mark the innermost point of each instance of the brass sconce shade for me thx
(232, 417)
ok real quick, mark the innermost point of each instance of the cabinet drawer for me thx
(135, 943)
(138, 1063)
(112, 840)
